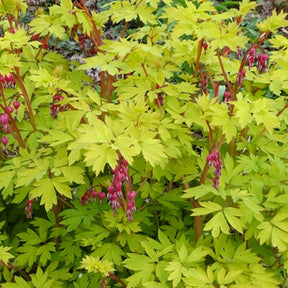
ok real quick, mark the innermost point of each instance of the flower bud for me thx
(16, 104)
(10, 109)
(4, 118)
(4, 140)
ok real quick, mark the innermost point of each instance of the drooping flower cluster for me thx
(214, 159)
(120, 175)
(115, 195)
(4, 120)
(251, 57)
(240, 77)
(262, 63)
(227, 98)
(205, 46)
(238, 55)
(28, 208)
(8, 81)
(130, 205)
(55, 107)
(92, 193)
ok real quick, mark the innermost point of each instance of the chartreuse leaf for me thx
(122, 10)
(273, 23)
(74, 217)
(44, 188)
(176, 270)
(40, 279)
(200, 278)
(127, 146)
(5, 256)
(58, 274)
(207, 208)
(71, 251)
(94, 264)
(153, 151)
(275, 231)
(155, 284)
(198, 191)
(111, 252)
(35, 171)
(19, 283)
(232, 216)
(141, 263)
(44, 252)
(30, 237)
(7, 61)
(61, 187)
(28, 255)
(262, 110)
(12, 7)
(56, 137)
(99, 155)
(221, 220)
(217, 224)
(6, 178)
(246, 6)
(73, 174)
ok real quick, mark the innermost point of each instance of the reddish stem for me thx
(110, 87)
(103, 84)
(9, 18)
(26, 97)
(215, 87)
(197, 64)
(96, 31)
(197, 219)
(233, 95)
(46, 40)
(138, 4)
(144, 68)
(210, 134)
(114, 277)
(21, 272)
(124, 29)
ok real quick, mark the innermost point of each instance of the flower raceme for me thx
(28, 208)
(251, 57)
(262, 63)
(8, 81)
(240, 77)
(214, 159)
(115, 195)
(55, 107)
(92, 193)
(120, 176)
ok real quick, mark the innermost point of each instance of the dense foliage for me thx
(168, 168)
